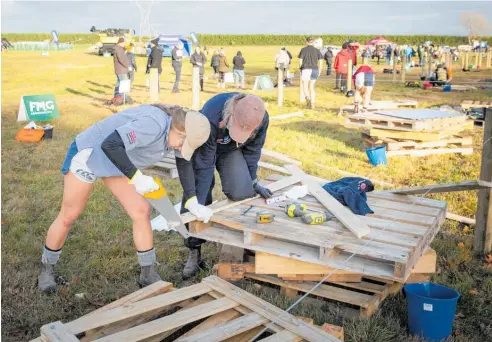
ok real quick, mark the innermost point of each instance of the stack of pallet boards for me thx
(213, 310)
(386, 245)
(351, 290)
(476, 110)
(381, 105)
(417, 132)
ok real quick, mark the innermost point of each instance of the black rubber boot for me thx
(193, 263)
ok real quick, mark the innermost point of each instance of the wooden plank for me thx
(325, 291)
(132, 310)
(454, 217)
(407, 199)
(279, 156)
(392, 145)
(350, 277)
(231, 265)
(286, 116)
(418, 278)
(343, 214)
(57, 332)
(418, 136)
(440, 188)
(166, 323)
(226, 204)
(227, 329)
(483, 229)
(268, 310)
(427, 262)
(152, 290)
(273, 167)
(421, 153)
(350, 174)
(246, 336)
(334, 330)
(266, 263)
(210, 323)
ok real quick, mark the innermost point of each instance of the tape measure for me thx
(264, 216)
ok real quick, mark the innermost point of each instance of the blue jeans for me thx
(239, 74)
(120, 77)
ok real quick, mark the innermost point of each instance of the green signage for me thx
(38, 107)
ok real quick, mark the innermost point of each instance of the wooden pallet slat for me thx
(439, 188)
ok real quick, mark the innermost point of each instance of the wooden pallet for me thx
(366, 295)
(455, 144)
(393, 123)
(418, 136)
(401, 229)
(217, 309)
(466, 105)
(165, 168)
(378, 105)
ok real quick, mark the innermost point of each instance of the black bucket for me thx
(48, 133)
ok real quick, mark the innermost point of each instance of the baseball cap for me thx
(247, 116)
(197, 129)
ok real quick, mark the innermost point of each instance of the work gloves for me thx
(143, 184)
(201, 212)
(261, 190)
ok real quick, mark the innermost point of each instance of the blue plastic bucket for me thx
(377, 155)
(446, 88)
(430, 309)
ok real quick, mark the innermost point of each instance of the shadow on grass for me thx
(76, 92)
(97, 91)
(324, 129)
(100, 85)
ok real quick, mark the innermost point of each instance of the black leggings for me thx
(221, 76)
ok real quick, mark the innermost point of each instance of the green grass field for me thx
(99, 258)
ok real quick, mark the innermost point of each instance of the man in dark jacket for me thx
(238, 62)
(120, 62)
(329, 59)
(155, 59)
(238, 128)
(177, 61)
(198, 59)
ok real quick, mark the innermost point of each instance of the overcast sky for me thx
(283, 17)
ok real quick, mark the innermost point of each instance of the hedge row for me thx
(270, 39)
(257, 39)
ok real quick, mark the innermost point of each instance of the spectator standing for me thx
(341, 67)
(311, 62)
(282, 61)
(364, 81)
(132, 63)
(389, 53)
(214, 63)
(120, 62)
(176, 62)
(238, 68)
(223, 68)
(198, 59)
(155, 59)
(329, 59)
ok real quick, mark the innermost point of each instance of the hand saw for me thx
(160, 201)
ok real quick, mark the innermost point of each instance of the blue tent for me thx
(169, 41)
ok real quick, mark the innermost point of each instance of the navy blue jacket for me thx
(351, 192)
(197, 174)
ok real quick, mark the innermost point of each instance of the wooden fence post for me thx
(154, 85)
(349, 75)
(483, 228)
(280, 87)
(195, 88)
(462, 57)
(429, 62)
(403, 66)
(467, 60)
(479, 58)
(489, 57)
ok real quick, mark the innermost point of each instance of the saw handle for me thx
(161, 192)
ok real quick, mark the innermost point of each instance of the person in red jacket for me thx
(364, 81)
(341, 67)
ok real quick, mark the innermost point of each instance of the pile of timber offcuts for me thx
(477, 110)
(415, 132)
(382, 105)
(213, 310)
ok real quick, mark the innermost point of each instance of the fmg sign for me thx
(38, 107)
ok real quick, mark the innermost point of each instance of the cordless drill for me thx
(295, 209)
(316, 218)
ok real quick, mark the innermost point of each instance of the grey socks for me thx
(146, 258)
(50, 256)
